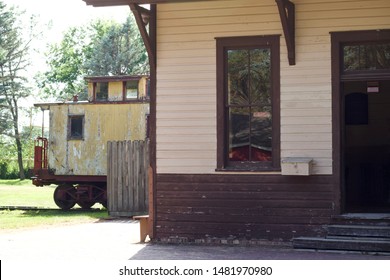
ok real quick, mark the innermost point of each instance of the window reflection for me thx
(366, 57)
(249, 104)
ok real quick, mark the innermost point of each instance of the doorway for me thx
(361, 120)
(366, 145)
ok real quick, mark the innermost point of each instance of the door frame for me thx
(338, 77)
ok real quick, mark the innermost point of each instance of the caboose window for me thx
(131, 89)
(101, 91)
(76, 127)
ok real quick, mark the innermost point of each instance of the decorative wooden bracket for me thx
(144, 17)
(287, 17)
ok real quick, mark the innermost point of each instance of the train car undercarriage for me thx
(83, 190)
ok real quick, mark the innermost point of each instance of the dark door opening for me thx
(366, 146)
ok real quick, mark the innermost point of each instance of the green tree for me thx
(9, 168)
(65, 60)
(117, 50)
(14, 61)
(101, 48)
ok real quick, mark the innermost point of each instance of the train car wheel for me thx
(64, 196)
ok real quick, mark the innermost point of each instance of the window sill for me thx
(247, 171)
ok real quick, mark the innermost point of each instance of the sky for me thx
(67, 13)
(61, 15)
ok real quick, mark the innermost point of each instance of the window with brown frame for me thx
(374, 56)
(101, 91)
(76, 127)
(248, 97)
(131, 89)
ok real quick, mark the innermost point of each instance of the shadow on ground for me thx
(200, 252)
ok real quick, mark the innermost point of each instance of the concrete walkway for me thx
(117, 240)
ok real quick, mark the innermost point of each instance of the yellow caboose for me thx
(74, 155)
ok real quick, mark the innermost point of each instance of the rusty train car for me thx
(73, 156)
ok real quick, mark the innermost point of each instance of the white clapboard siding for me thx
(186, 74)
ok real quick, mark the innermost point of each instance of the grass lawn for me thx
(18, 219)
(23, 193)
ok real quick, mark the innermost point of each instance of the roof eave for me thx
(103, 3)
(117, 78)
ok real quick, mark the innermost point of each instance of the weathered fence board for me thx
(127, 178)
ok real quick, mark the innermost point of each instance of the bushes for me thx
(9, 168)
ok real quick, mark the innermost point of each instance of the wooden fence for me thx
(127, 178)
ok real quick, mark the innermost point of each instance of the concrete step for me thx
(364, 232)
(346, 244)
(373, 219)
(359, 231)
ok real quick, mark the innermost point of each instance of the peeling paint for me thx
(76, 153)
(102, 123)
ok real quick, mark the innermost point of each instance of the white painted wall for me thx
(186, 79)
